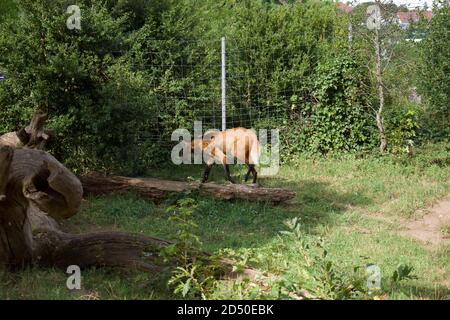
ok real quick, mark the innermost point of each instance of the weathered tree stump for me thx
(36, 191)
(158, 189)
(33, 136)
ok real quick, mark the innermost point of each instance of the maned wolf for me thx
(226, 146)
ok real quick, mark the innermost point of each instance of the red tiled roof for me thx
(403, 17)
(413, 16)
(344, 7)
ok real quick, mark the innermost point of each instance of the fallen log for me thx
(158, 189)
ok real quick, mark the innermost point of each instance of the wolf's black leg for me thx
(247, 175)
(227, 173)
(254, 173)
(206, 173)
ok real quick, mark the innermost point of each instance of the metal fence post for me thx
(224, 107)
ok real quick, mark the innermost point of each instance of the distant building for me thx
(344, 7)
(404, 19)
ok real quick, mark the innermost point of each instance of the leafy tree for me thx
(8, 9)
(435, 75)
(70, 74)
(392, 67)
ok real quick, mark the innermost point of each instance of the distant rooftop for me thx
(413, 16)
(404, 17)
(344, 7)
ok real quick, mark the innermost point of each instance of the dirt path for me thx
(434, 227)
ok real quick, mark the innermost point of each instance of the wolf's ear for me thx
(205, 143)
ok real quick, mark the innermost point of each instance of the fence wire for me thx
(187, 86)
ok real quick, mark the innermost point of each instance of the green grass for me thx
(356, 205)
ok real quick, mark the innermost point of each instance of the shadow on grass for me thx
(236, 224)
(225, 224)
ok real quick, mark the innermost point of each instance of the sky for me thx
(409, 3)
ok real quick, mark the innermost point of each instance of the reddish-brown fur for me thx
(225, 147)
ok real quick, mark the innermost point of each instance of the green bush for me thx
(435, 74)
(338, 120)
(402, 127)
(97, 103)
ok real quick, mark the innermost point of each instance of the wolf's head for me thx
(200, 144)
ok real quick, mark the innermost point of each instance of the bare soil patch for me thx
(433, 227)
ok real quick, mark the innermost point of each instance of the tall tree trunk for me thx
(350, 31)
(380, 87)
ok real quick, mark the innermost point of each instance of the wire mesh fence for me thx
(187, 86)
